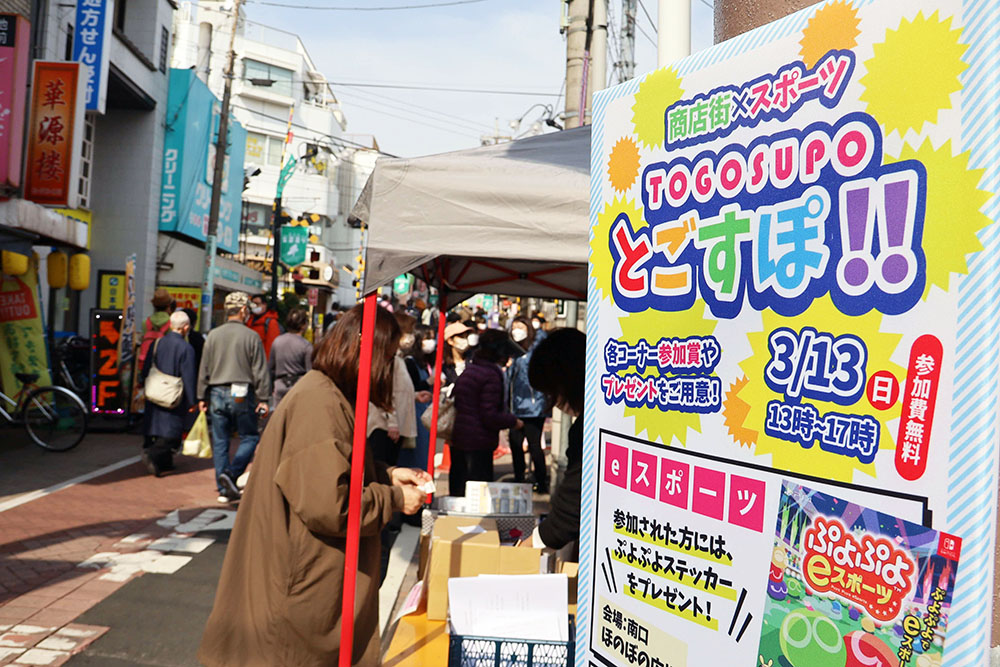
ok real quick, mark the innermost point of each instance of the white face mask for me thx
(461, 344)
(518, 334)
(406, 341)
(535, 324)
(428, 345)
(473, 339)
(256, 310)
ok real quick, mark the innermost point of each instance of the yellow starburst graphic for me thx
(735, 411)
(913, 73)
(657, 91)
(654, 325)
(623, 164)
(601, 264)
(953, 213)
(791, 456)
(833, 26)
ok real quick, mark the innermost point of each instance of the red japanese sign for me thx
(919, 399)
(15, 37)
(18, 304)
(868, 570)
(54, 136)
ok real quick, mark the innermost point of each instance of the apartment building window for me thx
(264, 149)
(120, 15)
(262, 75)
(164, 47)
(87, 160)
(69, 43)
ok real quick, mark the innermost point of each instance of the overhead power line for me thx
(443, 89)
(368, 9)
(645, 11)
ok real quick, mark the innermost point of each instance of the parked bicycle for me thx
(71, 365)
(55, 417)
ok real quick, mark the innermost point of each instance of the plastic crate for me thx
(469, 651)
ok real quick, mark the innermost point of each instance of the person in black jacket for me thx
(479, 413)
(164, 426)
(557, 369)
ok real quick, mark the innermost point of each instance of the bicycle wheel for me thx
(55, 418)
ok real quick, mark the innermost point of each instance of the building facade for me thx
(278, 91)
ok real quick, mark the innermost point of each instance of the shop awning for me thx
(506, 219)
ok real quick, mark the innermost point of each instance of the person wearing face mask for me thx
(389, 431)
(557, 369)
(419, 358)
(537, 321)
(528, 404)
(457, 335)
(479, 413)
(264, 321)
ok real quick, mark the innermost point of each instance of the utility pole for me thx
(673, 40)
(221, 144)
(626, 54)
(578, 12)
(598, 47)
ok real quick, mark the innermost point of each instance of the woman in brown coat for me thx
(281, 589)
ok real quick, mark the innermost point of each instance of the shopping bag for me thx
(198, 442)
(446, 415)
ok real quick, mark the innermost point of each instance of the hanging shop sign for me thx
(15, 38)
(791, 436)
(92, 48)
(55, 133)
(188, 164)
(22, 337)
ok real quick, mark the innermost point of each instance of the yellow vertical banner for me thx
(22, 337)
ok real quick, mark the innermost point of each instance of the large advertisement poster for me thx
(22, 335)
(794, 295)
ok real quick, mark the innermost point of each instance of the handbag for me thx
(162, 389)
(446, 415)
(198, 443)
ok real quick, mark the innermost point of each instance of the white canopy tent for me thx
(506, 219)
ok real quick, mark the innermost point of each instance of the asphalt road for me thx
(156, 620)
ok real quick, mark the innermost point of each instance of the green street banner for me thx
(293, 244)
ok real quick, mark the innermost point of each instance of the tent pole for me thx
(357, 480)
(438, 367)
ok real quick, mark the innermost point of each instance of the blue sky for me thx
(493, 44)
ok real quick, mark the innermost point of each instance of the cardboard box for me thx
(572, 572)
(460, 547)
(518, 560)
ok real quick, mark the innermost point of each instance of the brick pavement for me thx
(110, 522)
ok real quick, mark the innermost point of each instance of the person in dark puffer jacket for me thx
(479, 413)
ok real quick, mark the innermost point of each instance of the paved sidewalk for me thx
(62, 553)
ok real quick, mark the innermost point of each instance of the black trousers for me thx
(160, 450)
(533, 428)
(383, 447)
(469, 466)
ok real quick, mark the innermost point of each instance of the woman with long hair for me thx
(528, 404)
(280, 593)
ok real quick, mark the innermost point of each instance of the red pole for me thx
(438, 366)
(357, 480)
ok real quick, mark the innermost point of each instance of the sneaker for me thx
(222, 499)
(241, 482)
(229, 488)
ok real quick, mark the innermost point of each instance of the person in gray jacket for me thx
(291, 354)
(234, 385)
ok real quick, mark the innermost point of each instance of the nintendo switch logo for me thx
(949, 546)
